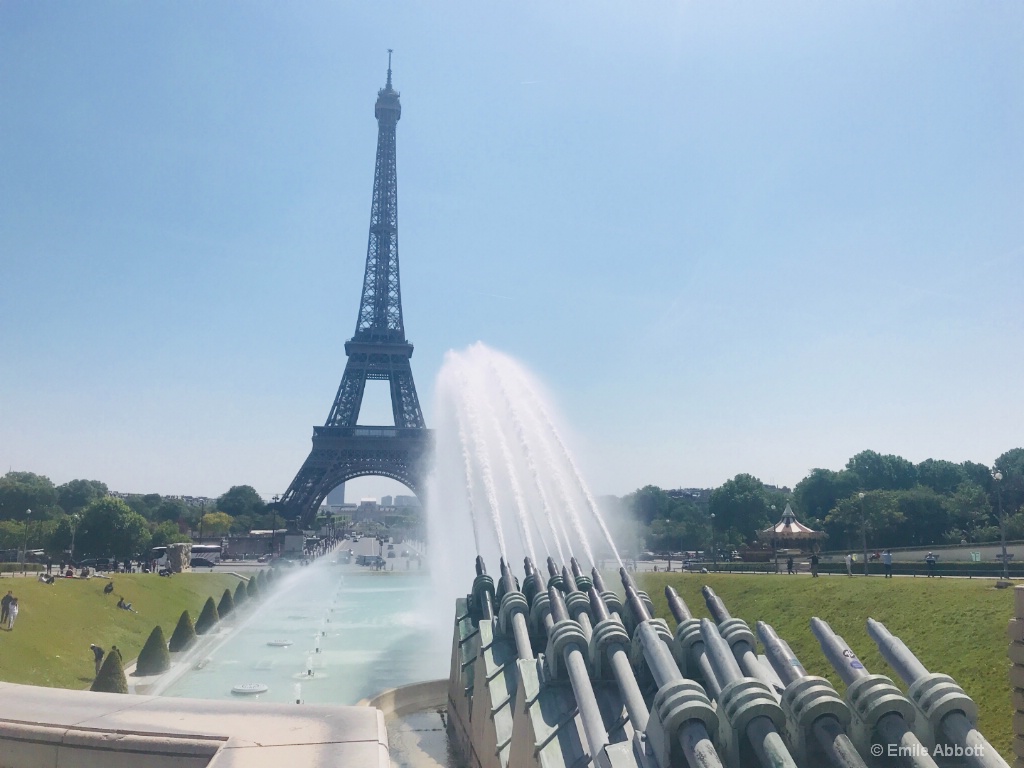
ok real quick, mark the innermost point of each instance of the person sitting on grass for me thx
(45, 579)
(124, 606)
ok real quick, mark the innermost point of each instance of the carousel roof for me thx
(790, 528)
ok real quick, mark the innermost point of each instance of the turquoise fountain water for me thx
(342, 633)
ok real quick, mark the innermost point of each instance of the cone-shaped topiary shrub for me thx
(252, 589)
(226, 604)
(241, 595)
(208, 618)
(111, 678)
(264, 580)
(269, 575)
(184, 634)
(154, 657)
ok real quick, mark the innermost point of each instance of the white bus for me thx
(211, 552)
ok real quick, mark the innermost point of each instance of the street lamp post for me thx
(998, 477)
(775, 546)
(74, 530)
(864, 531)
(24, 546)
(714, 549)
(273, 533)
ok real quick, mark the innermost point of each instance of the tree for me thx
(21, 491)
(941, 476)
(740, 504)
(241, 594)
(884, 521)
(1011, 487)
(241, 500)
(109, 528)
(173, 510)
(154, 657)
(226, 604)
(252, 589)
(184, 634)
(208, 618)
(816, 495)
(111, 678)
(76, 495)
(216, 523)
(167, 533)
(882, 473)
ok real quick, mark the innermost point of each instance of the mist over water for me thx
(505, 482)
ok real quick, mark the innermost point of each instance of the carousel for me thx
(789, 532)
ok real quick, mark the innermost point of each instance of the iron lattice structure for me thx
(378, 350)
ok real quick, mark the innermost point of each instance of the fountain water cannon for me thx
(738, 635)
(631, 617)
(609, 655)
(682, 721)
(812, 706)
(481, 599)
(512, 613)
(610, 598)
(555, 576)
(583, 583)
(566, 656)
(754, 717)
(532, 584)
(877, 704)
(943, 708)
(577, 603)
(688, 646)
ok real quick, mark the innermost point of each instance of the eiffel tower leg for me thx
(405, 404)
(345, 411)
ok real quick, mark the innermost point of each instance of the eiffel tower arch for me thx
(343, 450)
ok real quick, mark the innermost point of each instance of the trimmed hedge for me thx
(111, 678)
(208, 618)
(154, 657)
(226, 604)
(241, 593)
(252, 589)
(184, 634)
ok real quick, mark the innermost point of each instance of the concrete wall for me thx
(58, 728)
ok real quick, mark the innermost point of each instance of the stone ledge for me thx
(55, 727)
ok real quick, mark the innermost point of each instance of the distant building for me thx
(337, 496)
(386, 501)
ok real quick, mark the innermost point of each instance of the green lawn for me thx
(955, 626)
(50, 641)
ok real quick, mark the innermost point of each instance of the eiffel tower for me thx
(343, 451)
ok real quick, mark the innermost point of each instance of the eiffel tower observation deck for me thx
(378, 350)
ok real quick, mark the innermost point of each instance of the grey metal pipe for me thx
(520, 631)
(697, 746)
(828, 731)
(579, 677)
(955, 725)
(891, 727)
(681, 612)
(677, 606)
(743, 651)
(596, 577)
(765, 740)
(636, 707)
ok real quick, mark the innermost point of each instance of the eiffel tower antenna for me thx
(378, 350)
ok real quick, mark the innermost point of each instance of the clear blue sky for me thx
(730, 237)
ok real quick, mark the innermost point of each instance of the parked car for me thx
(201, 562)
(96, 563)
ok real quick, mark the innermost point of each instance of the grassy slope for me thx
(954, 626)
(50, 642)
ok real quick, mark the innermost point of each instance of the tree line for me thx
(40, 515)
(899, 503)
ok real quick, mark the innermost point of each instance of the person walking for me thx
(12, 613)
(849, 565)
(789, 566)
(887, 563)
(97, 656)
(814, 564)
(5, 606)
